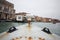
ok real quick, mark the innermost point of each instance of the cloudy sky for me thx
(43, 8)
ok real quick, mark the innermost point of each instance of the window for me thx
(6, 9)
(11, 10)
(19, 17)
(0, 7)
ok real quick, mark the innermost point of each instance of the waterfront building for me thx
(39, 19)
(36, 18)
(21, 16)
(33, 18)
(46, 19)
(7, 10)
(55, 21)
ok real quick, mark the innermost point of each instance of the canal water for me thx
(54, 28)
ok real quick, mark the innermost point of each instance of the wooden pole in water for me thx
(29, 24)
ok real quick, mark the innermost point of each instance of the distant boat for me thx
(24, 33)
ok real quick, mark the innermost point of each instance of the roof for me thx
(21, 13)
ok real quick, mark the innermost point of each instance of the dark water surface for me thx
(6, 25)
(54, 28)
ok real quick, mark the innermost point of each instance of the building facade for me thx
(39, 19)
(21, 15)
(7, 11)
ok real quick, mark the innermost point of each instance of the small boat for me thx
(28, 32)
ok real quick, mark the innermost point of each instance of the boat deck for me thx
(25, 33)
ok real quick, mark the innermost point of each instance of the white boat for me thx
(28, 33)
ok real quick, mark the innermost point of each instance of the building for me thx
(21, 16)
(39, 19)
(46, 19)
(7, 11)
(55, 21)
